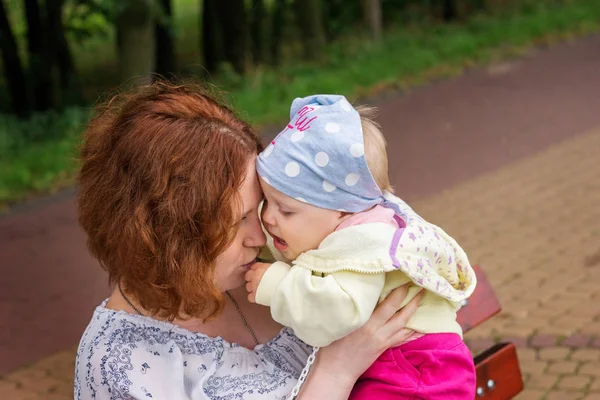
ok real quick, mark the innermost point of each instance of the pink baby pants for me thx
(435, 366)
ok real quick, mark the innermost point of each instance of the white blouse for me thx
(125, 356)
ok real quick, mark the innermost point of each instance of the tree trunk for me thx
(13, 69)
(70, 83)
(39, 55)
(234, 28)
(135, 40)
(449, 10)
(258, 31)
(66, 84)
(212, 38)
(309, 20)
(372, 17)
(165, 47)
(278, 23)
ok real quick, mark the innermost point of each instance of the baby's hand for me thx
(253, 277)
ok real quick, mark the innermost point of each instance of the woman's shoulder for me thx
(133, 356)
(121, 353)
(116, 328)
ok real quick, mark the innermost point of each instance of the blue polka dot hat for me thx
(319, 158)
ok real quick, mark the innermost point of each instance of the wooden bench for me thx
(498, 373)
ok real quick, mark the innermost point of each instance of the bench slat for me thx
(498, 373)
(482, 305)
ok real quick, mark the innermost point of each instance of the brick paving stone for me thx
(48, 379)
(562, 367)
(28, 374)
(574, 382)
(554, 353)
(542, 381)
(563, 395)
(9, 390)
(543, 341)
(530, 394)
(527, 354)
(577, 341)
(533, 367)
(592, 369)
(592, 328)
(519, 342)
(586, 355)
(592, 396)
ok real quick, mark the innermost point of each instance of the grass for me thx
(37, 163)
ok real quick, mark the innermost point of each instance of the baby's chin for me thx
(290, 255)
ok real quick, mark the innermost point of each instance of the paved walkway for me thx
(503, 158)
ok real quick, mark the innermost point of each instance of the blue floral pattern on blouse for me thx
(125, 356)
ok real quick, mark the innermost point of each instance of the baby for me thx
(343, 241)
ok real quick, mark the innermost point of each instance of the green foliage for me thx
(39, 155)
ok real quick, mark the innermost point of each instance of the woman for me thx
(169, 201)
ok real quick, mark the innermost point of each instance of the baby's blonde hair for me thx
(375, 147)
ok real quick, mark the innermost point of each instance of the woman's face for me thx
(234, 262)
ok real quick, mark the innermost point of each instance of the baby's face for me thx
(294, 225)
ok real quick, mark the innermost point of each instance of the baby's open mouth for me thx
(279, 243)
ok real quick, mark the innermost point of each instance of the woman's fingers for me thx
(398, 321)
(400, 337)
(388, 307)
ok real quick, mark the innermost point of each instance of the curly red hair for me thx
(161, 168)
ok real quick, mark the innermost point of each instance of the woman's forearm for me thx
(324, 382)
(338, 366)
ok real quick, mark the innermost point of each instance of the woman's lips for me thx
(248, 265)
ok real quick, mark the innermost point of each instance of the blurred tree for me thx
(449, 10)
(278, 23)
(135, 38)
(165, 62)
(309, 22)
(66, 86)
(212, 38)
(258, 31)
(70, 83)
(13, 69)
(340, 16)
(234, 25)
(39, 78)
(372, 17)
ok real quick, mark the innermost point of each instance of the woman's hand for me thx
(340, 364)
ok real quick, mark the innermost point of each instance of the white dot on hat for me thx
(267, 152)
(332, 127)
(345, 105)
(352, 179)
(357, 150)
(301, 199)
(292, 169)
(298, 135)
(321, 159)
(329, 187)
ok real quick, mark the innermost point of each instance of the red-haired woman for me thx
(169, 201)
